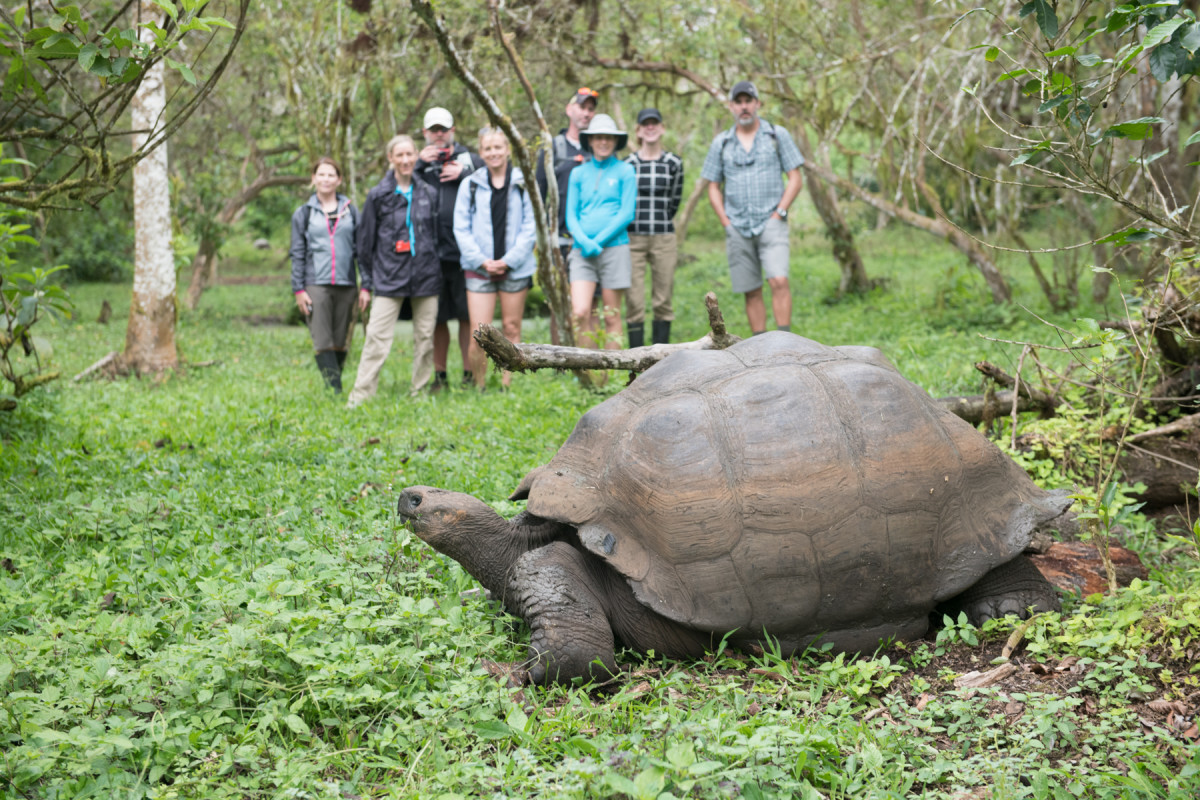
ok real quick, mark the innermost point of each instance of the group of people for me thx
(446, 232)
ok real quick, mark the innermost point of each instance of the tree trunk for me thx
(845, 251)
(689, 208)
(202, 270)
(932, 225)
(150, 336)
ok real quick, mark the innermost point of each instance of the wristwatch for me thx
(782, 212)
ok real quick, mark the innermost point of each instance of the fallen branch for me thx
(108, 360)
(1181, 425)
(526, 356)
(974, 408)
(977, 680)
(1039, 398)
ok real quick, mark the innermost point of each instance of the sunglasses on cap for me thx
(583, 90)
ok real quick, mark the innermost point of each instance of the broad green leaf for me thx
(1054, 102)
(296, 724)
(1162, 31)
(1088, 59)
(1167, 60)
(1135, 129)
(1062, 51)
(1043, 13)
(992, 54)
(1195, 137)
(87, 56)
(167, 6)
(1016, 73)
(1130, 235)
(1190, 40)
(493, 729)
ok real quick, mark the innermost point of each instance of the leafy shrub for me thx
(96, 243)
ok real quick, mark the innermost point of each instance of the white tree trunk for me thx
(150, 337)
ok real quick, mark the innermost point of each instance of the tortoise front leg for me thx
(553, 589)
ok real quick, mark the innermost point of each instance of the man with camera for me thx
(443, 164)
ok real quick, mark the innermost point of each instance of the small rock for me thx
(262, 244)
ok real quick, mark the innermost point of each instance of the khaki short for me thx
(751, 259)
(612, 269)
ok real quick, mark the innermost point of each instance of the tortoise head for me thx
(440, 517)
(462, 527)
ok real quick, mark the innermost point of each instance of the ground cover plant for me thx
(204, 592)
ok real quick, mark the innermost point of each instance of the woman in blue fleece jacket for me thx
(601, 200)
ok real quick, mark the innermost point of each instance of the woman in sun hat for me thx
(601, 200)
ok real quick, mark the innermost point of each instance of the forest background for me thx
(204, 591)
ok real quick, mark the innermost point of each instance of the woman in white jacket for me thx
(493, 225)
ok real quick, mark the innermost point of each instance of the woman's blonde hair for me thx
(400, 138)
(491, 130)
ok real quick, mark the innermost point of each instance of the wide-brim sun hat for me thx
(603, 125)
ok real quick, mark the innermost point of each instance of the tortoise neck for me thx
(489, 549)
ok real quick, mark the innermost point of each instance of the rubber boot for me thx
(468, 378)
(661, 331)
(636, 331)
(440, 381)
(331, 373)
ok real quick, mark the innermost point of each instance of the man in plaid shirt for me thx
(744, 168)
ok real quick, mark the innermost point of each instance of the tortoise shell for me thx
(786, 485)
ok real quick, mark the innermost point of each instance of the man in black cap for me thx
(744, 168)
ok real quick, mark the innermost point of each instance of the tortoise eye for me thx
(416, 501)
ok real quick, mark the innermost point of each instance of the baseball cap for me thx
(583, 94)
(438, 116)
(648, 113)
(743, 87)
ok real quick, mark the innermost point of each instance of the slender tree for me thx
(150, 335)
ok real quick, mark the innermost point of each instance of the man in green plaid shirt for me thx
(745, 167)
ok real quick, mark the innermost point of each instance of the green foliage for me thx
(96, 244)
(115, 55)
(26, 297)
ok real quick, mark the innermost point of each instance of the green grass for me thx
(205, 593)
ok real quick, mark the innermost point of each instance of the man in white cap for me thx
(744, 167)
(444, 164)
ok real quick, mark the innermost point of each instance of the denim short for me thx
(508, 285)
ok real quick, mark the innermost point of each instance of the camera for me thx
(402, 246)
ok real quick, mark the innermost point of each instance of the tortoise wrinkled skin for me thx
(778, 486)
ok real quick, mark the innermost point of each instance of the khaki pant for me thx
(661, 252)
(381, 330)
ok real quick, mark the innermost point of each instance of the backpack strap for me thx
(769, 130)
(560, 149)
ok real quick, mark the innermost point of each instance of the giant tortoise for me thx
(779, 489)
